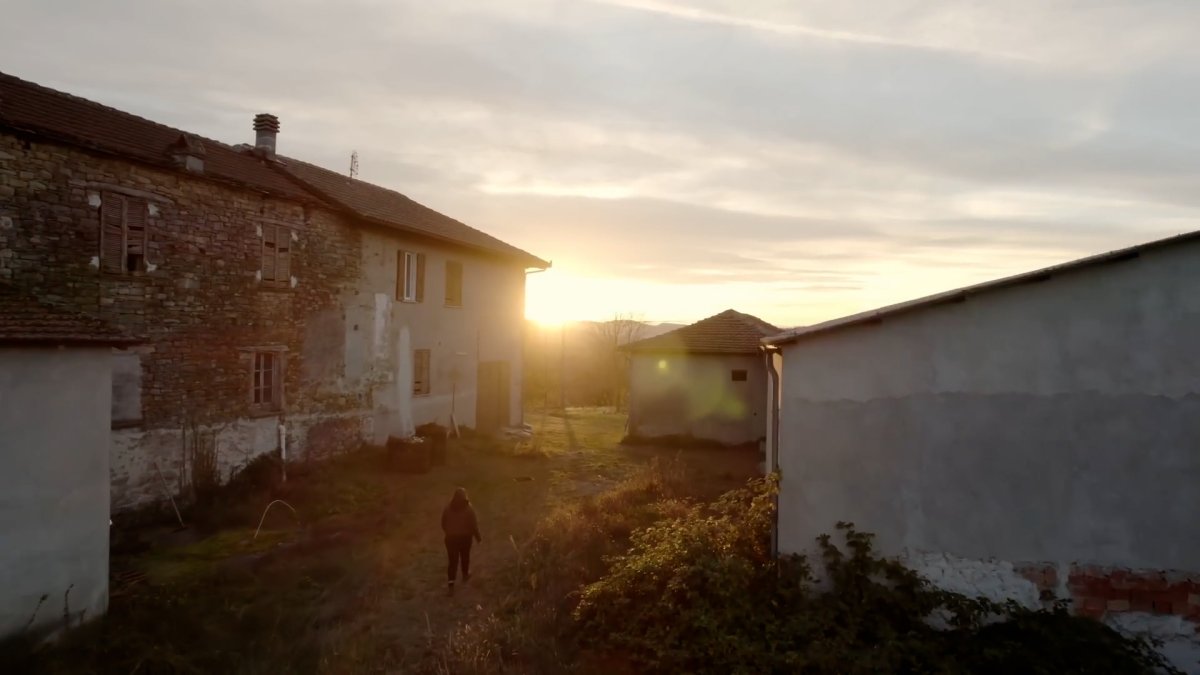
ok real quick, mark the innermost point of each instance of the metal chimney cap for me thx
(266, 122)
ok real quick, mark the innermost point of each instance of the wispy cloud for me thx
(797, 159)
(700, 15)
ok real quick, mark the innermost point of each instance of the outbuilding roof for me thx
(26, 320)
(730, 332)
(875, 316)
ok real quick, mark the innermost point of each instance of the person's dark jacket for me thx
(458, 519)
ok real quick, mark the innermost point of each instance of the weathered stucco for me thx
(381, 333)
(694, 395)
(54, 491)
(1055, 422)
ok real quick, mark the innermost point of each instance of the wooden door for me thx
(492, 396)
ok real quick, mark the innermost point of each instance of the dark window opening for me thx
(738, 375)
(267, 387)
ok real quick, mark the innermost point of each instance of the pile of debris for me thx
(420, 452)
(521, 432)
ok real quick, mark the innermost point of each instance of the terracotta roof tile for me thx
(32, 108)
(24, 319)
(729, 332)
(57, 116)
(393, 209)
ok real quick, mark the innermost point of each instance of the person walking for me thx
(460, 526)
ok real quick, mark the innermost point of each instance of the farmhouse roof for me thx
(29, 108)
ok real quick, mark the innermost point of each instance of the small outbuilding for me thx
(55, 418)
(1031, 437)
(704, 383)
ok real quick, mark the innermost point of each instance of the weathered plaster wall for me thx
(1056, 423)
(694, 395)
(381, 333)
(54, 491)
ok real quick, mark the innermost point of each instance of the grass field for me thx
(354, 580)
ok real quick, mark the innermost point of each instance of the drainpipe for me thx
(528, 271)
(769, 353)
(283, 451)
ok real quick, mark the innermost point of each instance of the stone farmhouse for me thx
(281, 306)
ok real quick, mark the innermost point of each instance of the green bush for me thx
(702, 594)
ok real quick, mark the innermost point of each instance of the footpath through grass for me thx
(354, 581)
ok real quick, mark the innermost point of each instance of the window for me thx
(276, 254)
(123, 233)
(454, 283)
(410, 276)
(126, 389)
(267, 385)
(421, 372)
(737, 375)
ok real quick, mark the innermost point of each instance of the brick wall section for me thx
(200, 303)
(1098, 592)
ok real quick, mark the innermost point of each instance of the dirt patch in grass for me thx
(355, 580)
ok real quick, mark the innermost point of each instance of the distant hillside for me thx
(655, 329)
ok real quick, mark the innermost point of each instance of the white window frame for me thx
(409, 288)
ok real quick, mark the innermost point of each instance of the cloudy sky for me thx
(795, 160)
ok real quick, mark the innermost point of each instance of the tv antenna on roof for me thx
(354, 164)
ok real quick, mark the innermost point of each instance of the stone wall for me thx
(199, 301)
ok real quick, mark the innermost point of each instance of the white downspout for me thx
(283, 450)
(772, 458)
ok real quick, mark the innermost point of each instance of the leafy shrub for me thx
(533, 631)
(702, 594)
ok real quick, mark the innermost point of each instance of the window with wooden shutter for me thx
(283, 253)
(410, 276)
(454, 283)
(421, 384)
(124, 233)
(276, 254)
(420, 282)
(136, 227)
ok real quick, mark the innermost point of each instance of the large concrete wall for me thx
(54, 425)
(1036, 441)
(694, 395)
(1057, 421)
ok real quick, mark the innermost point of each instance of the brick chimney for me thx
(266, 128)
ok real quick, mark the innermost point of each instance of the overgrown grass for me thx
(646, 578)
(530, 632)
(355, 581)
